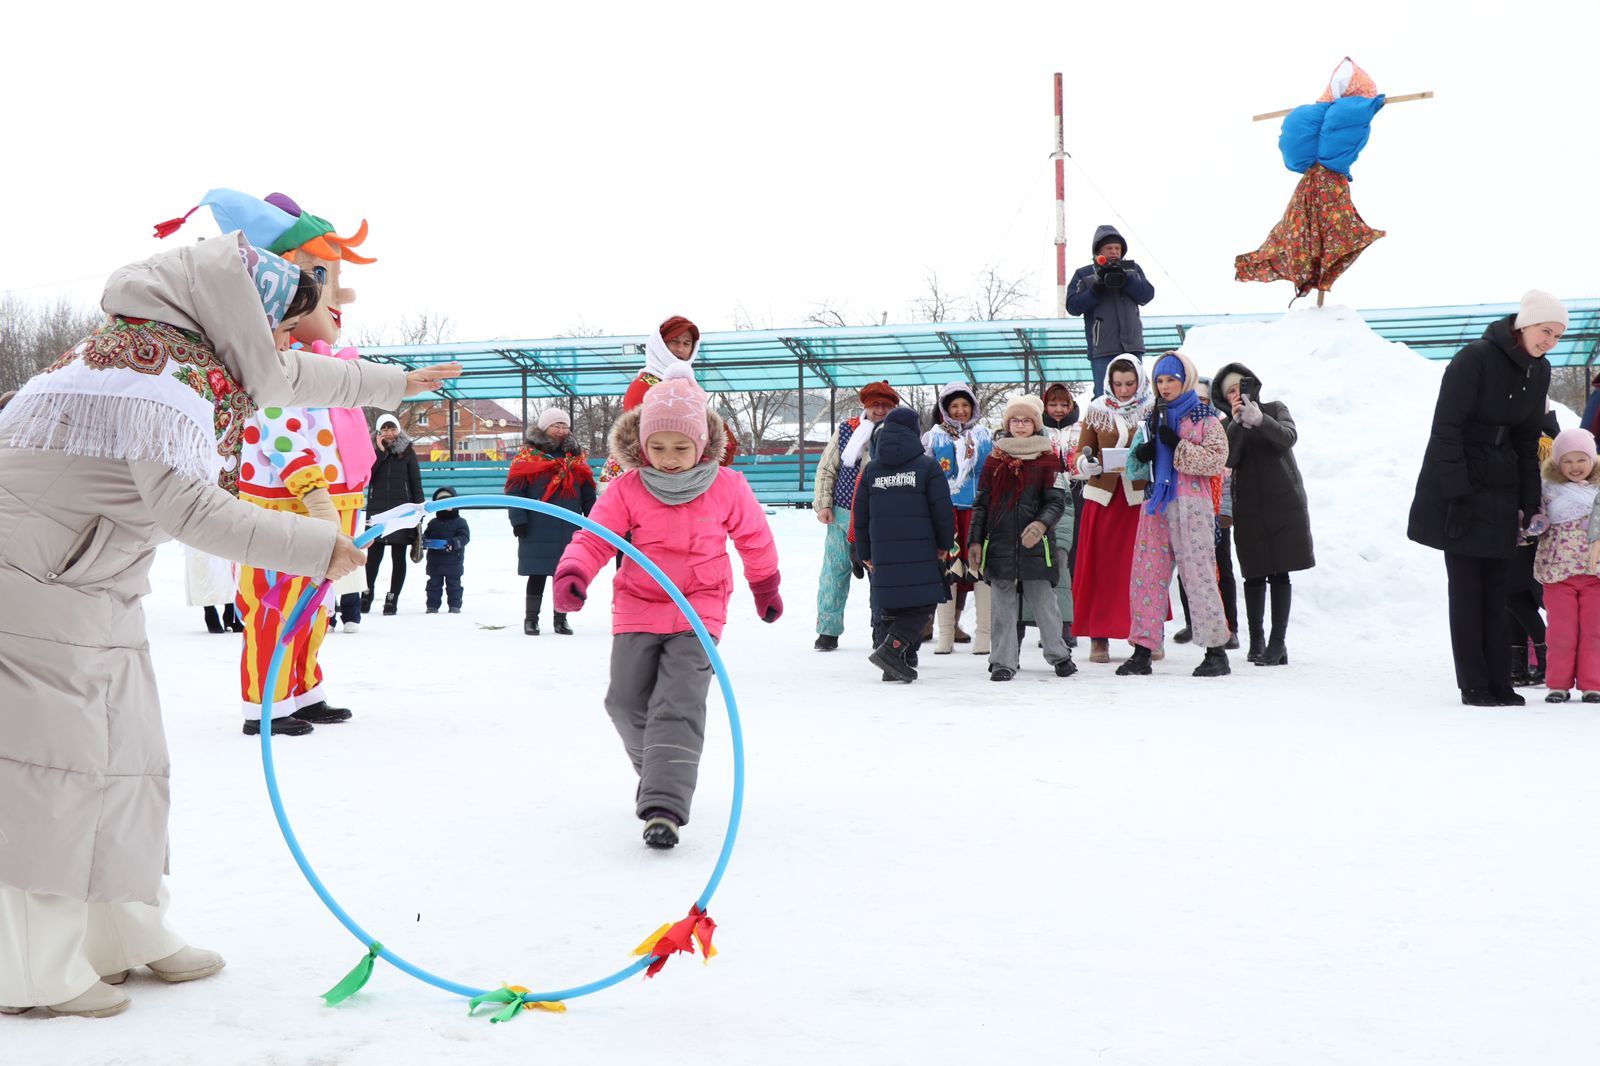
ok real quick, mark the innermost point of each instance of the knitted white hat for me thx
(1539, 306)
(387, 420)
(550, 416)
(1025, 407)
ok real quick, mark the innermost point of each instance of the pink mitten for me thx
(571, 588)
(769, 605)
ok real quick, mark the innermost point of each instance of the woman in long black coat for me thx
(1271, 520)
(1480, 482)
(396, 479)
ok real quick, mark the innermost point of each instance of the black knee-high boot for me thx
(1255, 606)
(1275, 654)
(530, 618)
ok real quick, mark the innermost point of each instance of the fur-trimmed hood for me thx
(1224, 378)
(627, 451)
(538, 440)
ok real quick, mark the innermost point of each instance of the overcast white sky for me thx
(528, 170)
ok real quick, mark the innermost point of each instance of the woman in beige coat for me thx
(120, 446)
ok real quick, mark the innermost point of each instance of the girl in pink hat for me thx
(679, 507)
(1565, 566)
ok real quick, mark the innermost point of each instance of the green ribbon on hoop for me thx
(515, 998)
(355, 980)
(512, 1001)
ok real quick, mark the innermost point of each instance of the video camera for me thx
(1109, 272)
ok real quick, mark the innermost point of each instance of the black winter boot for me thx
(1215, 664)
(1275, 654)
(281, 727)
(530, 616)
(366, 602)
(1066, 635)
(390, 602)
(1519, 665)
(230, 618)
(893, 656)
(213, 621)
(1066, 667)
(1138, 662)
(560, 625)
(1479, 697)
(1536, 673)
(824, 642)
(320, 713)
(1255, 608)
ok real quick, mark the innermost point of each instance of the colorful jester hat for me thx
(276, 224)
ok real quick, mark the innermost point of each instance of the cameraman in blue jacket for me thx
(1108, 293)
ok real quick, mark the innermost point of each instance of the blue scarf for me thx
(1162, 488)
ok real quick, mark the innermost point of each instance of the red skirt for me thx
(1105, 567)
(963, 532)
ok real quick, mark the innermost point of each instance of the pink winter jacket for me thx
(689, 542)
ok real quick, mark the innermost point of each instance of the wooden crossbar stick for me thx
(1386, 103)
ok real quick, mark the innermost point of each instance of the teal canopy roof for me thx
(921, 354)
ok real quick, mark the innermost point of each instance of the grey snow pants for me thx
(657, 701)
(1005, 607)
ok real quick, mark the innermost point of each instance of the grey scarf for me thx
(685, 486)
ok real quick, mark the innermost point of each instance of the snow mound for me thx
(1363, 406)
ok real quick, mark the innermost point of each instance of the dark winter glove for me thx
(769, 604)
(571, 588)
(1456, 519)
(856, 567)
(1098, 288)
(517, 531)
(1169, 436)
(1145, 452)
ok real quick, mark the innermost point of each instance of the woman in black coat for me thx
(1480, 482)
(396, 479)
(552, 468)
(1271, 520)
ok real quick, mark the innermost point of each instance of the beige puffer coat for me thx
(83, 757)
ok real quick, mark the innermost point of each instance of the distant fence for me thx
(777, 479)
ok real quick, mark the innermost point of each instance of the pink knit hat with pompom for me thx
(676, 404)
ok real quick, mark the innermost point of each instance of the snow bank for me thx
(1362, 406)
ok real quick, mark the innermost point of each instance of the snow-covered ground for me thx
(1332, 863)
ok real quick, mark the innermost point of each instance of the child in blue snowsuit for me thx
(446, 538)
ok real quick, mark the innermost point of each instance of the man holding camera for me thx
(1108, 293)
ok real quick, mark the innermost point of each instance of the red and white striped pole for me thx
(1060, 157)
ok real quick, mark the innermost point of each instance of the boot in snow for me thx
(1536, 671)
(1138, 662)
(660, 829)
(391, 603)
(560, 625)
(1275, 654)
(825, 642)
(530, 615)
(1183, 636)
(1215, 664)
(1506, 696)
(1479, 697)
(320, 713)
(1557, 695)
(944, 621)
(1001, 673)
(1519, 664)
(1066, 667)
(1066, 635)
(101, 1001)
(281, 727)
(1233, 641)
(1591, 697)
(213, 621)
(893, 657)
(980, 638)
(1255, 609)
(1099, 650)
(366, 602)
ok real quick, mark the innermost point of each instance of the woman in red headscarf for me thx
(675, 340)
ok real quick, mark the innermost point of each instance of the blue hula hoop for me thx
(299, 616)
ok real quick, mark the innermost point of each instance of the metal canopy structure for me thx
(1028, 350)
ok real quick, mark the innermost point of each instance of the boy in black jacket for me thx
(446, 538)
(904, 528)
